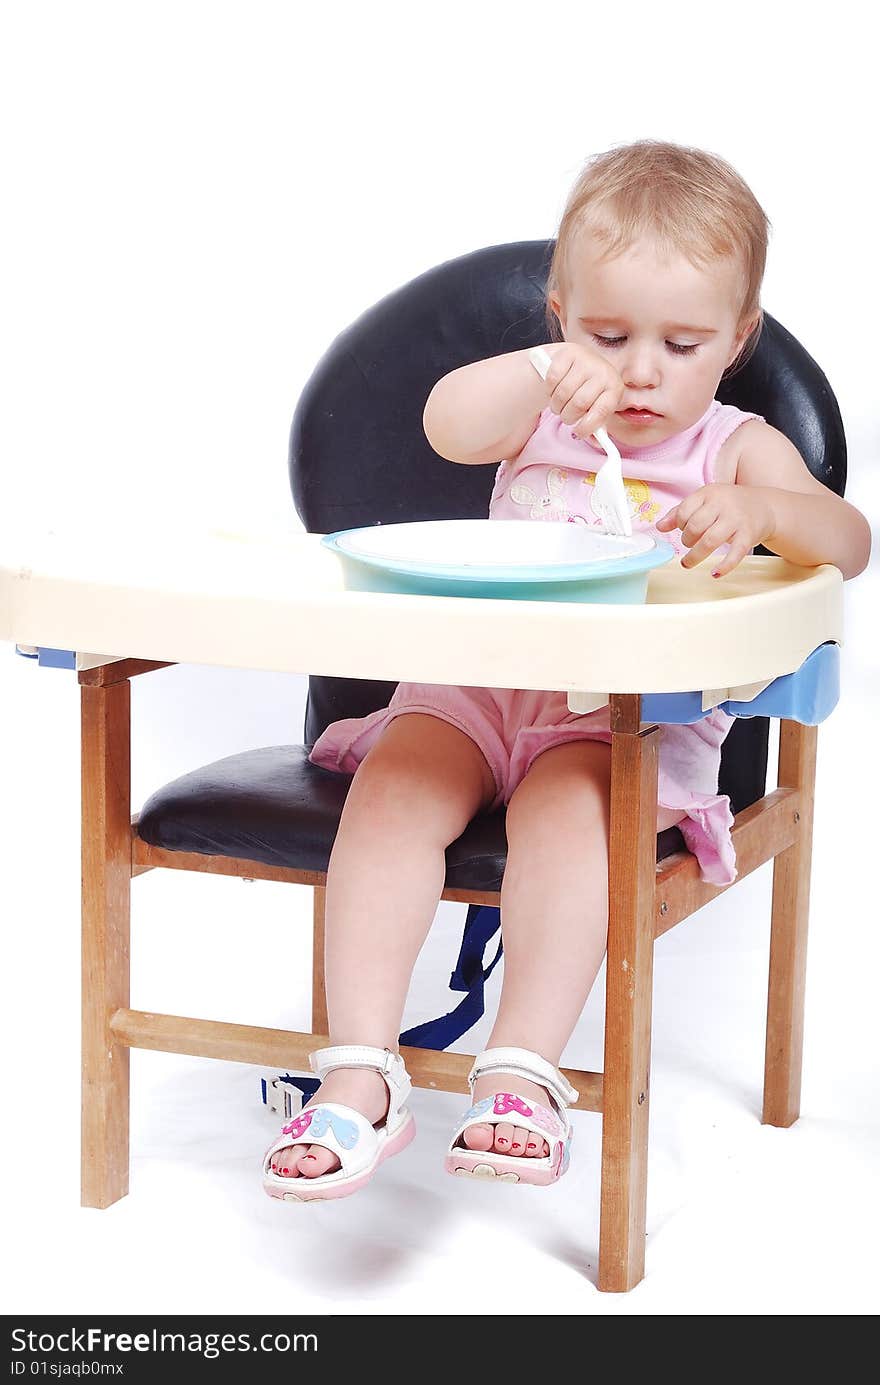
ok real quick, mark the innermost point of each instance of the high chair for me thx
(358, 456)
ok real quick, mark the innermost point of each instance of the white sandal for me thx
(552, 1125)
(359, 1146)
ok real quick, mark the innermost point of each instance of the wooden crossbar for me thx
(284, 1048)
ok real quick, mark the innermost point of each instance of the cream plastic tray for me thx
(277, 602)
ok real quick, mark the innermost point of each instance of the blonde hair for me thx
(691, 202)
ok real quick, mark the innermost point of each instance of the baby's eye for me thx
(676, 347)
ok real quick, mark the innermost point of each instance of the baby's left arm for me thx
(774, 501)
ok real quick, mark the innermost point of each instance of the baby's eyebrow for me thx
(667, 326)
(684, 327)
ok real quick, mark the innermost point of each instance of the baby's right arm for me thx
(487, 411)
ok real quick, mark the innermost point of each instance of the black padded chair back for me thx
(359, 455)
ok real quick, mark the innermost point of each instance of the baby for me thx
(653, 295)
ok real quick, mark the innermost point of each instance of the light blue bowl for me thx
(503, 559)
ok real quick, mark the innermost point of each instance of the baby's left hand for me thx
(738, 515)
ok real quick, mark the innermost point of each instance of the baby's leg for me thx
(412, 794)
(554, 916)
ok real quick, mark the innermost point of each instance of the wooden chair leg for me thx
(788, 934)
(629, 981)
(319, 995)
(106, 922)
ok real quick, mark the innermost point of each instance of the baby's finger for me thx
(563, 389)
(695, 524)
(738, 550)
(713, 538)
(670, 520)
(583, 399)
(691, 506)
(598, 415)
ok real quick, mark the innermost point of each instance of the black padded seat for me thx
(272, 805)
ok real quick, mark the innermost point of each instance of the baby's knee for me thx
(433, 778)
(566, 788)
(386, 777)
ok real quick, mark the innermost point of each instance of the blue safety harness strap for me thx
(469, 975)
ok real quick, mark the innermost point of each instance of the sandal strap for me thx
(521, 1062)
(382, 1060)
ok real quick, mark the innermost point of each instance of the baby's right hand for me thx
(584, 387)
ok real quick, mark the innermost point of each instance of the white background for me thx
(198, 198)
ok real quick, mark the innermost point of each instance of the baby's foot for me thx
(505, 1138)
(360, 1088)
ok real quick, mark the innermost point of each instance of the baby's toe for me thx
(503, 1137)
(536, 1148)
(316, 1160)
(478, 1137)
(284, 1161)
(518, 1140)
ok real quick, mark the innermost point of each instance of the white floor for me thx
(742, 1218)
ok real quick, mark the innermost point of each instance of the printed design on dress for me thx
(642, 507)
(550, 506)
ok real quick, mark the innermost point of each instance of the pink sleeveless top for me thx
(553, 476)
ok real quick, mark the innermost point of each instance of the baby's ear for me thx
(744, 333)
(556, 306)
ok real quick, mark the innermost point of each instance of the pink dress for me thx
(552, 479)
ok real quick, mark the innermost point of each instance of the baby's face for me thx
(668, 327)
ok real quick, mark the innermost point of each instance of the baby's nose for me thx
(640, 370)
